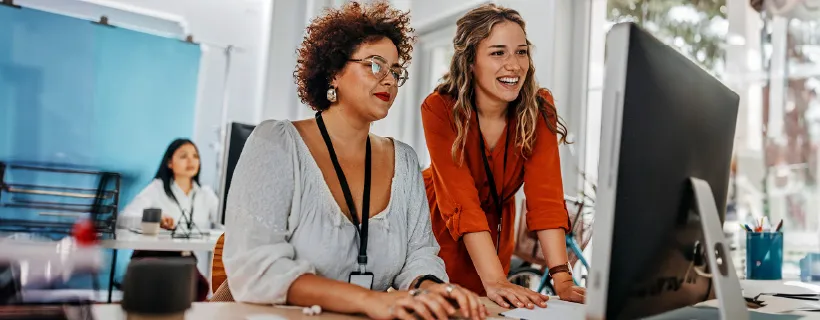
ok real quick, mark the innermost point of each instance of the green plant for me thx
(702, 38)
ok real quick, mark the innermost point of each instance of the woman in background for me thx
(184, 204)
(490, 129)
(300, 188)
(175, 190)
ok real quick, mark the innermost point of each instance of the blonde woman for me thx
(490, 129)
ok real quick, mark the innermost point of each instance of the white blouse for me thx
(203, 199)
(282, 222)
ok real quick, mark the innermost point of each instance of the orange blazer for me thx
(459, 195)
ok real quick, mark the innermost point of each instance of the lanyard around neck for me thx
(182, 211)
(351, 206)
(491, 179)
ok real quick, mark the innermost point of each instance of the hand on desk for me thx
(566, 289)
(428, 304)
(467, 301)
(167, 222)
(509, 295)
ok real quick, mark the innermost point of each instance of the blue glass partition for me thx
(81, 94)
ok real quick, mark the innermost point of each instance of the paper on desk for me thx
(708, 313)
(774, 305)
(754, 287)
(556, 309)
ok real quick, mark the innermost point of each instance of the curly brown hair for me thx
(331, 39)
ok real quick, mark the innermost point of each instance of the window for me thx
(697, 30)
(773, 63)
(786, 95)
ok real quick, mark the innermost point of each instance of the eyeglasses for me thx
(380, 69)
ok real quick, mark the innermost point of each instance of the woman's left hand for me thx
(468, 302)
(567, 290)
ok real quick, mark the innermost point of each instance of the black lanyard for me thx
(181, 210)
(493, 191)
(351, 206)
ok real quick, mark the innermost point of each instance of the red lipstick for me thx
(382, 95)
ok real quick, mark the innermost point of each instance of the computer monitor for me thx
(664, 121)
(238, 133)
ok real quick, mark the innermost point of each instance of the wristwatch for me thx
(558, 269)
(428, 277)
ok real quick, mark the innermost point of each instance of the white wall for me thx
(427, 12)
(287, 28)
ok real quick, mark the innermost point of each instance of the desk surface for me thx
(127, 239)
(242, 311)
(783, 305)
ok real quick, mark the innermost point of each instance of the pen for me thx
(796, 297)
(779, 225)
(746, 227)
(804, 295)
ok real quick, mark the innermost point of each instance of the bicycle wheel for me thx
(530, 278)
(582, 216)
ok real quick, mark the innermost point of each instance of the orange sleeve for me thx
(456, 194)
(543, 186)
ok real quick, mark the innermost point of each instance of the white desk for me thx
(781, 305)
(241, 311)
(777, 305)
(774, 309)
(126, 239)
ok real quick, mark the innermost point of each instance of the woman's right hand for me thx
(507, 295)
(404, 305)
(167, 222)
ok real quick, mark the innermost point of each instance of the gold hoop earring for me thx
(331, 94)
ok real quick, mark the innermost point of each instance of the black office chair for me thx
(10, 285)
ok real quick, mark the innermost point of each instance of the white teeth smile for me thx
(509, 80)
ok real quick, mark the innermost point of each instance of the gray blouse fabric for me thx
(282, 222)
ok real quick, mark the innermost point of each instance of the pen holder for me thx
(764, 255)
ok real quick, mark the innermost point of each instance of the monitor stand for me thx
(724, 277)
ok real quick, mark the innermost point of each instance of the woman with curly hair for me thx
(321, 211)
(490, 129)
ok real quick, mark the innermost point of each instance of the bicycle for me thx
(577, 239)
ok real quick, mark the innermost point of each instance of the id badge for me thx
(362, 279)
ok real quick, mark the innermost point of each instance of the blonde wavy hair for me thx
(459, 83)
